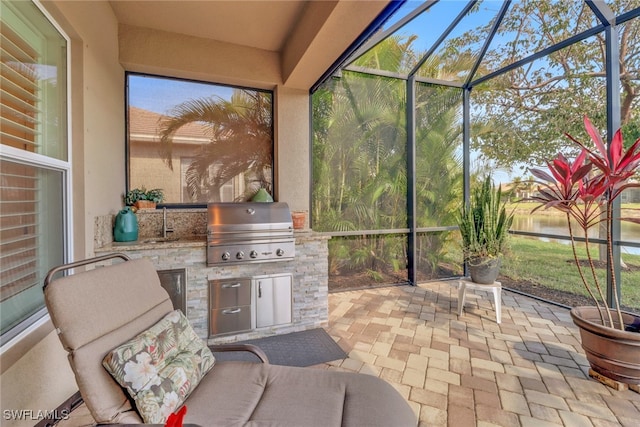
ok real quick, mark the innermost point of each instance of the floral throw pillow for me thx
(161, 366)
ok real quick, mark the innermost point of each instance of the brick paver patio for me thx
(470, 371)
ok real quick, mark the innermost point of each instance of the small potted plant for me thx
(141, 198)
(155, 195)
(484, 226)
(584, 190)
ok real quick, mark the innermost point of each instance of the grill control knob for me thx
(240, 255)
(226, 256)
(279, 252)
(253, 254)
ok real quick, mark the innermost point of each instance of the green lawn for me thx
(551, 264)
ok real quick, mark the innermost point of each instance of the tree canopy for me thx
(524, 113)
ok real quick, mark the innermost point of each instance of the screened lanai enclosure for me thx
(444, 93)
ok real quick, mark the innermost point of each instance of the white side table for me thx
(496, 287)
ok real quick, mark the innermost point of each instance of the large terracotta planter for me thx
(611, 352)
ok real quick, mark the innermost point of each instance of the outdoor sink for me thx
(183, 239)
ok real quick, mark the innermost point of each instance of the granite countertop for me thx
(197, 241)
(156, 243)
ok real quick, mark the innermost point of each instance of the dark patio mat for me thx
(305, 348)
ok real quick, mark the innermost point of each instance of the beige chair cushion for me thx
(136, 301)
(255, 394)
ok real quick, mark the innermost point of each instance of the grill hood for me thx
(249, 232)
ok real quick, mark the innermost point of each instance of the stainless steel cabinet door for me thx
(175, 283)
(230, 293)
(230, 306)
(273, 300)
(232, 319)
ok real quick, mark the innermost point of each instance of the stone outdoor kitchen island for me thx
(187, 256)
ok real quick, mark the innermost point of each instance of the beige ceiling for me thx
(309, 35)
(261, 24)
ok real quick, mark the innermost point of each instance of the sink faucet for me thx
(165, 228)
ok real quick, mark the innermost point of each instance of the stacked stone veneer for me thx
(309, 270)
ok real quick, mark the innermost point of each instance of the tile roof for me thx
(143, 122)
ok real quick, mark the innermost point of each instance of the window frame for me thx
(24, 335)
(193, 205)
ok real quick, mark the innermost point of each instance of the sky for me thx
(160, 95)
(432, 23)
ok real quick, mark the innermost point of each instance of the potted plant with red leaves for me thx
(584, 190)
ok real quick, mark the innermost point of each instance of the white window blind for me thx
(33, 163)
(18, 228)
(18, 91)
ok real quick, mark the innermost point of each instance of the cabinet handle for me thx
(235, 285)
(232, 311)
(259, 289)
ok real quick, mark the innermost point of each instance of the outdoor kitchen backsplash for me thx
(184, 223)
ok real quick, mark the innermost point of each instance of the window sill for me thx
(20, 345)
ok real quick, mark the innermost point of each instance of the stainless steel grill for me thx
(249, 232)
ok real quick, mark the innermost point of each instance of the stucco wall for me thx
(292, 132)
(103, 112)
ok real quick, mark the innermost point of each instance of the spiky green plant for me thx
(484, 223)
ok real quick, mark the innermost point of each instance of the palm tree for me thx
(241, 142)
(360, 179)
(438, 169)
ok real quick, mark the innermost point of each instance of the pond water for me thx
(554, 224)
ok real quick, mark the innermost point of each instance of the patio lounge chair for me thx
(97, 310)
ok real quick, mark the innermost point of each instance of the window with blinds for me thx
(33, 160)
(18, 227)
(19, 91)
